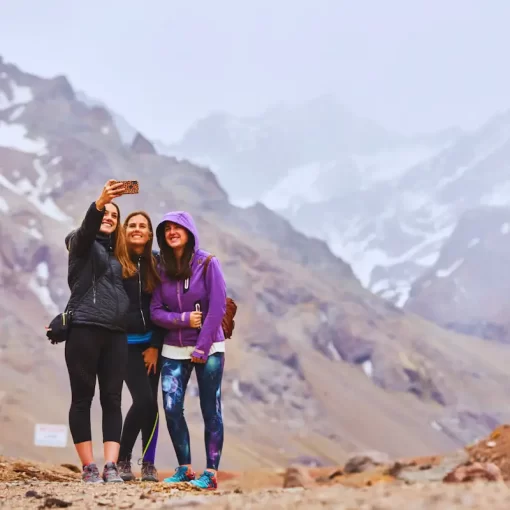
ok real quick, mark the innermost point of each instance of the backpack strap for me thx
(206, 263)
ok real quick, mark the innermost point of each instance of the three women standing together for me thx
(137, 315)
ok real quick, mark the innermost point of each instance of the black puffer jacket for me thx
(138, 319)
(97, 297)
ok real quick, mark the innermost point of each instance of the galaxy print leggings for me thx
(175, 374)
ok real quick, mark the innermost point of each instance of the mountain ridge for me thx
(305, 327)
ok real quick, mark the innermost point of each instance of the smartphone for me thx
(131, 187)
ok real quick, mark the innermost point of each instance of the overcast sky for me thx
(412, 65)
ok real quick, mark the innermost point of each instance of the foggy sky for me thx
(412, 65)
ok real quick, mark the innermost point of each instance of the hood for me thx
(181, 218)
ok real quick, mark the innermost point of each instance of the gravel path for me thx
(395, 496)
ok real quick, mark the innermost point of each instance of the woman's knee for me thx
(174, 408)
(145, 404)
(212, 412)
(110, 401)
(82, 403)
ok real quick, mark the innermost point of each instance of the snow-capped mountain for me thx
(305, 326)
(383, 202)
(468, 288)
(336, 177)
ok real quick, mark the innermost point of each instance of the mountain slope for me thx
(385, 204)
(316, 360)
(334, 175)
(467, 289)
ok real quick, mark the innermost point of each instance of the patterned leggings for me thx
(175, 374)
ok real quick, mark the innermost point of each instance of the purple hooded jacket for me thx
(173, 301)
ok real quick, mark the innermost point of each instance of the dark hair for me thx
(152, 279)
(173, 270)
(120, 248)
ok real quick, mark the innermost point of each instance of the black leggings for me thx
(94, 352)
(143, 414)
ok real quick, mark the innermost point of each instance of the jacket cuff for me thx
(201, 355)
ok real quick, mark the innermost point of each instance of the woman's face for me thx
(137, 231)
(110, 220)
(176, 236)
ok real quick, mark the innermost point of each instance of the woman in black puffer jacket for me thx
(144, 344)
(97, 343)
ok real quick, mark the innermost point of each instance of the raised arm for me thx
(161, 316)
(215, 283)
(80, 240)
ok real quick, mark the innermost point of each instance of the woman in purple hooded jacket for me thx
(184, 297)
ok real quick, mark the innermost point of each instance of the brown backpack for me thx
(228, 323)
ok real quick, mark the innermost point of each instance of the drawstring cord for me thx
(140, 461)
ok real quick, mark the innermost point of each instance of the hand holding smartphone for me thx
(130, 187)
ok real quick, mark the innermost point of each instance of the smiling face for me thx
(138, 231)
(110, 220)
(175, 236)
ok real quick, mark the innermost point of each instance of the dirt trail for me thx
(362, 484)
(74, 495)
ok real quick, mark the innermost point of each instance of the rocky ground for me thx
(420, 496)
(474, 477)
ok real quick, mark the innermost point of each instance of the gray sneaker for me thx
(90, 474)
(111, 473)
(124, 467)
(149, 472)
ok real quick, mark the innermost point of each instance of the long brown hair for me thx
(120, 248)
(152, 279)
(174, 270)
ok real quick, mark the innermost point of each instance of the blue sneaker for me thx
(206, 482)
(182, 474)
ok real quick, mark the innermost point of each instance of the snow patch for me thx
(105, 130)
(19, 95)
(16, 113)
(15, 136)
(296, 188)
(56, 160)
(4, 206)
(444, 181)
(473, 242)
(443, 273)
(33, 232)
(38, 284)
(435, 425)
(37, 194)
(505, 228)
(333, 351)
(236, 388)
(428, 260)
(380, 285)
(368, 368)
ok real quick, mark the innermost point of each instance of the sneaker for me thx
(91, 474)
(182, 474)
(111, 473)
(124, 467)
(149, 472)
(206, 482)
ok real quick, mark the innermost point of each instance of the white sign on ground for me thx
(50, 435)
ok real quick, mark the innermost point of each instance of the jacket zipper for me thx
(180, 309)
(112, 275)
(140, 293)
